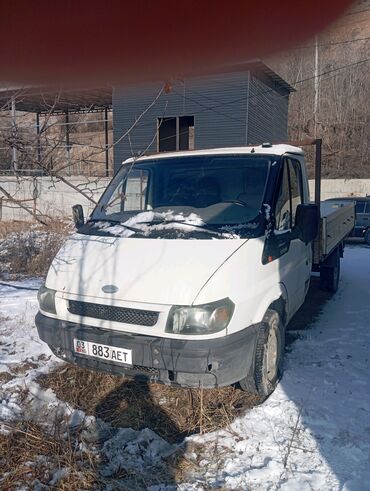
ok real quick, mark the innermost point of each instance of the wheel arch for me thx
(276, 299)
(280, 306)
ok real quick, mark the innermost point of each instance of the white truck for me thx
(190, 267)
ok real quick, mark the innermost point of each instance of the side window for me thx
(115, 203)
(360, 207)
(290, 195)
(129, 195)
(295, 186)
(135, 191)
(282, 208)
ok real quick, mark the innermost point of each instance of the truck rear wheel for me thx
(268, 356)
(330, 273)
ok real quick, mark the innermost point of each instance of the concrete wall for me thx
(54, 198)
(338, 188)
(49, 196)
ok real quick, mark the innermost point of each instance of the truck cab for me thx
(188, 269)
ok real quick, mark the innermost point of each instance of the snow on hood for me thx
(165, 271)
(167, 220)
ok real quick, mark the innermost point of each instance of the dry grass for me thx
(9, 227)
(29, 455)
(28, 248)
(14, 226)
(173, 413)
(5, 377)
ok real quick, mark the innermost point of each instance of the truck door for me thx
(294, 262)
(305, 250)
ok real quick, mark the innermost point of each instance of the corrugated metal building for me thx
(245, 104)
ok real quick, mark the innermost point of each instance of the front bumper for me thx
(204, 363)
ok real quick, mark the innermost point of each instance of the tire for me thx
(268, 362)
(367, 236)
(330, 273)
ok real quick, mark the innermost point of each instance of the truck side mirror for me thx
(78, 215)
(307, 222)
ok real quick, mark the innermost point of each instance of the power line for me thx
(186, 97)
(334, 70)
(323, 45)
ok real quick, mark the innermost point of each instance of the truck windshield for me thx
(194, 194)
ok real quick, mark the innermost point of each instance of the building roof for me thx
(258, 66)
(55, 100)
(58, 100)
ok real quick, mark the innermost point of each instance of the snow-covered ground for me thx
(313, 433)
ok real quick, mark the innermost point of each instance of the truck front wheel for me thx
(269, 356)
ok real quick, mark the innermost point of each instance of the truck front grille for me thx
(151, 370)
(111, 313)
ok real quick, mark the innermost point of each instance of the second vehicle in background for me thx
(362, 207)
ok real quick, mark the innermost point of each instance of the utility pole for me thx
(68, 145)
(317, 85)
(14, 136)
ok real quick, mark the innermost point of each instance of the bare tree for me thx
(344, 91)
(52, 161)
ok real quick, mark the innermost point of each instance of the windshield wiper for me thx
(183, 222)
(115, 222)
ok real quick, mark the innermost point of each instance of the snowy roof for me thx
(279, 149)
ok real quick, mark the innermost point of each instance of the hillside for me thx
(343, 93)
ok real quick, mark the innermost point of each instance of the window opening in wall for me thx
(175, 133)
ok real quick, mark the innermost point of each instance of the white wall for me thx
(50, 196)
(54, 198)
(338, 188)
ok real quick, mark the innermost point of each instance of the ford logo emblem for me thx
(110, 289)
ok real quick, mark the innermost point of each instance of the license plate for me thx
(103, 351)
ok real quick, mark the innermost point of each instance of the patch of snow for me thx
(232, 230)
(58, 475)
(267, 209)
(24, 357)
(167, 220)
(135, 450)
(18, 334)
(117, 230)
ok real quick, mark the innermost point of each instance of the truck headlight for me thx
(200, 319)
(46, 298)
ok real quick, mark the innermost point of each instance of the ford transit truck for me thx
(190, 267)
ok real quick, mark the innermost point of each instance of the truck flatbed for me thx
(336, 223)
